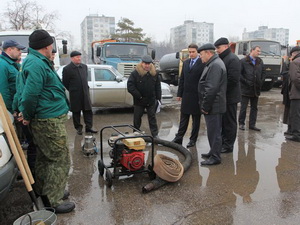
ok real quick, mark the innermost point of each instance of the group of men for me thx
(212, 83)
(35, 95)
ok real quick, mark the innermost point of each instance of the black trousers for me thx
(214, 129)
(183, 125)
(295, 118)
(137, 118)
(229, 126)
(87, 117)
(253, 110)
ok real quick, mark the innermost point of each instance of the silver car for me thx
(108, 88)
(8, 166)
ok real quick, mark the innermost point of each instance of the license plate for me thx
(268, 79)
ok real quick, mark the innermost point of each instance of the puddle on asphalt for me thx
(263, 165)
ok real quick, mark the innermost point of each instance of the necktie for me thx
(192, 63)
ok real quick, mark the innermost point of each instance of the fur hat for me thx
(40, 39)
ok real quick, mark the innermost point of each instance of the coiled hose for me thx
(158, 182)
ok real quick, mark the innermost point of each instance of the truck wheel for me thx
(267, 86)
(174, 80)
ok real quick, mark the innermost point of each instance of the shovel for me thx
(18, 153)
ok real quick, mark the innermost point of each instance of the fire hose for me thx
(159, 182)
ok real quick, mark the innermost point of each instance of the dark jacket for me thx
(188, 87)
(75, 80)
(43, 95)
(294, 82)
(144, 86)
(233, 68)
(212, 86)
(252, 76)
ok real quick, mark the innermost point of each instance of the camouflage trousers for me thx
(52, 160)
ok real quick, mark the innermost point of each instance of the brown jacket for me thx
(294, 82)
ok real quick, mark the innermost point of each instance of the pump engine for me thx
(129, 153)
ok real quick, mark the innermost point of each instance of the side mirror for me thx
(153, 54)
(245, 49)
(65, 48)
(177, 55)
(98, 52)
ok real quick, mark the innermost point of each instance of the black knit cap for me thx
(221, 41)
(40, 39)
(74, 53)
(208, 46)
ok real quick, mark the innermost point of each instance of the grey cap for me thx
(12, 43)
(207, 46)
(147, 59)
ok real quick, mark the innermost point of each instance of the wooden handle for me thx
(14, 141)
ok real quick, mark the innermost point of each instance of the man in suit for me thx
(212, 100)
(75, 80)
(233, 93)
(188, 95)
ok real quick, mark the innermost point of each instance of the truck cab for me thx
(123, 56)
(270, 54)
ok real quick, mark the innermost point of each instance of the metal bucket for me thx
(41, 217)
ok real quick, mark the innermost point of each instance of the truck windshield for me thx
(268, 47)
(22, 39)
(131, 51)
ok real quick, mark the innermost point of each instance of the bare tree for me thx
(24, 14)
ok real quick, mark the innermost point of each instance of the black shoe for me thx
(177, 141)
(79, 132)
(226, 150)
(288, 133)
(190, 144)
(242, 127)
(91, 131)
(205, 155)
(292, 138)
(254, 128)
(66, 195)
(210, 162)
(65, 207)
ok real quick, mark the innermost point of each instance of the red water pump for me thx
(132, 160)
(129, 153)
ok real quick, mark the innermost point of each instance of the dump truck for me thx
(123, 56)
(270, 54)
(170, 66)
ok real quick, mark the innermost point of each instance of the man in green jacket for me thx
(9, 69)
(44, 106)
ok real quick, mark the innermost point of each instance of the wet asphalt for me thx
(259, 183)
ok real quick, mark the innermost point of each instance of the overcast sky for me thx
(156, 17)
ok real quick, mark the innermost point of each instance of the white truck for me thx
(22, 37)
(270, 54)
